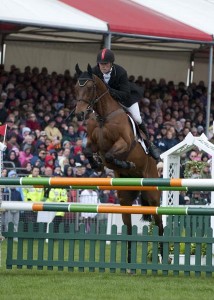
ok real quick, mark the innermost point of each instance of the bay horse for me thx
(111, 136)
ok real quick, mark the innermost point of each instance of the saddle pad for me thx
(141, 141)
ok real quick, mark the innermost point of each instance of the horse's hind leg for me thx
(128, 222)
(159, 223)
(126, 198)
(152, 198)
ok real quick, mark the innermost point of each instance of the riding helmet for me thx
(105, 56)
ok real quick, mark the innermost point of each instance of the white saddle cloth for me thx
(141, 141)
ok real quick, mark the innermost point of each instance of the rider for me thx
(116, 78)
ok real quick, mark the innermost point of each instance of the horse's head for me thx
(85, 91)
(89, 90)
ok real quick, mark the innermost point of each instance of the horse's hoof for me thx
(169, 260)
(109, 158)
(130, 272)
(100, 168)
(97, 166)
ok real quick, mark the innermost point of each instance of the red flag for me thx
(3, 130)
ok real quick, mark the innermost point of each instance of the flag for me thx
(3, 130)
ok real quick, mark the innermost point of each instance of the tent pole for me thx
(107, 41)
(191, 70)
(209, 90)
(1, 48)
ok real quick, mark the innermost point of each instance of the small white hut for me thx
(171, 166)
(171, 163)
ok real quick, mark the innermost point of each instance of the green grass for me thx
(35, 284)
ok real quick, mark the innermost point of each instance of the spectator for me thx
(25, 131)
(64, 158)
(25, 156)
(58, 195)
(49, 162)
(66, 144)
(88, 169)
(39, 159)
(32, 122)
(79, 170)
(88, 197)
(193, 155)
(13, 158)
(204, 157)
(30, 141)
(169, 141)
(32, 194)
(187, 200)
(78, 147)
(40, 145)
(68, 171)
(4, 172)
(53, 132)
(197, 199)
(57, 171)
(182, 198)
(3, 112)
(160, 169)
(54, 154)
(108, 196)
(12, 194)
(12, 141)
(48, 171)
(27, 170)
(70, 135)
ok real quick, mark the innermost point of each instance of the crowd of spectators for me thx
(42, 131)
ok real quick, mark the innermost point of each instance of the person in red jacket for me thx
(33, 123)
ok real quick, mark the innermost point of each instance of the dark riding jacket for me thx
(118, 84)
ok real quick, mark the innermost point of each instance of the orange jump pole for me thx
(101, 208)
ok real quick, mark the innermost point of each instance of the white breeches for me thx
(135, 112)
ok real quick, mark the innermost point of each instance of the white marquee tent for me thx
(49, 14)
(159, 36)
(58, 33)
(196, 13)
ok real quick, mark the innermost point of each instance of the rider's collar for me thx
(106, 76)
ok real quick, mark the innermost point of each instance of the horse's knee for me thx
(109, 157)
(87, 152)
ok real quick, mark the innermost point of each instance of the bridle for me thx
(91, 103)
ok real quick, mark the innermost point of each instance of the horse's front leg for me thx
(89, 150)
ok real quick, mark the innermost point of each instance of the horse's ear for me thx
(90, 70)
(78, 71)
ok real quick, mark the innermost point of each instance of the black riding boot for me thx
(153, 150)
